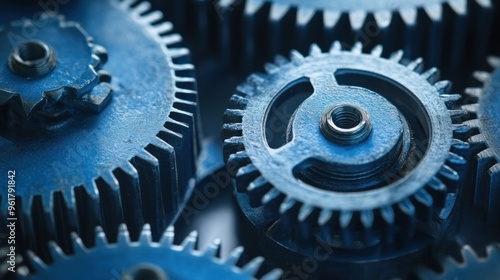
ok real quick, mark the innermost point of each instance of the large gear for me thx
(146, 259)
(134, 162)
(470, 267)
(314, 179)
(422, 24)
(483, 135)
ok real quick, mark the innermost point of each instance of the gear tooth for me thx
(141, 8)
(304, 16)
(233, 145)
(56, 252)
(444, 87)
(271, 68)
(431, 75)
(459, 7)
(456, 159)
(171, 39)
(305, 212)
(77, 243)
(345, 219)
(409, 16)
(110, 179)
(367, 218)
(482, 76)
(357, 48)
(450, 99)
(37, 263)
(425, 273)
(448, 173)
(457, 114)
(288, 212)
(252, 6)
(397, 56)
(281, 60)
(424, 198)
(233, 116)
(474, 92)
(467, 125)
(164, 27)
(130, 170)
(459, 144)
(100, 237)
(123, 235)
(232, 130)
(325, 215)
(296, 57)
(274, 274)
(377, 51)
(176, 53)
(494, 61)
(234, 256)
(408, 210)
(239, 159)
(245, 175)
(435, 12)
(213, 249)
(253, 266)
(336, 47)
(416, 65)
(128, 3)
(255, 80)
(478, 139)
(273, 195)
(190, 242)
(167, 240)
(383, 18)
(48, 201)
(468, 254)
(277, 12)
(315, 50)
(471, 108)
(331, 18)
(238, 102)
(152, 17)
(145, 237)
(257, 189)
(357, 19)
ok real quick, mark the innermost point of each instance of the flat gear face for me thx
(313, 182)
(92, 171)
(146, 259)
(470, 267)
(485, 134)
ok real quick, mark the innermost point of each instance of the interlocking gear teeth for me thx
(173, 261)
(470, 267)
(400, 217)
(483, 134)
(77, 195)
(268, 22)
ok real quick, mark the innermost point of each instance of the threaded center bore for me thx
(346, 124)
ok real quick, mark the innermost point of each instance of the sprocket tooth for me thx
(357, 19)
(377, 51)
(189, 244)
(416, 65)
(257, 189)
(396, 56)
(336, 47)
(431, 75)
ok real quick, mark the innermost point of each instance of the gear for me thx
(483, 134)
(423, 25)
(132, 163)
(146, 260)
(36, 85)
(471, 266)
(377, 181)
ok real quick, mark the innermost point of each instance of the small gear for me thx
(146, 259)
(471, 266)
(134, 162)
(483, 133)
(354, 145)
(36, 86)
(422, 24)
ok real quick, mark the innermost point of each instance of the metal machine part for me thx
(146, 260)
(378, 188)
(470, 267)
(377, 191)
(132, 163)
(423, 26)
(482, 131)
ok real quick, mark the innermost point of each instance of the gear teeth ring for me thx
(472, 266)
(163, 258)
(287, 200)
(84, 185)
(482, 133)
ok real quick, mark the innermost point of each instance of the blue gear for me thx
(470, 267)
(483, 135)
(133, 162)
(162, 260)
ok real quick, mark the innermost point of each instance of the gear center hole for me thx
(346, 117)
(32, 51)
(146, 272)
